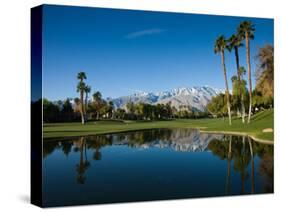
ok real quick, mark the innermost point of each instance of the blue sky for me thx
(124, 51)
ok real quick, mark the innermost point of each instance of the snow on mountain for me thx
(179, 140)
(194, 97)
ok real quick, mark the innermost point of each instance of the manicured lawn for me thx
(259, 122)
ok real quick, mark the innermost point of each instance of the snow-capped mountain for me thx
(179, 140)
(193, 97)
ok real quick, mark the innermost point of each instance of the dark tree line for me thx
(59, 111)
(98, 108)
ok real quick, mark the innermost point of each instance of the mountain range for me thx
(179, 140)
(195, 98)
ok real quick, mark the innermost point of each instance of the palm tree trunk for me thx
(86, 102)
(249, 76)
(82, 117)
(86, 106)
(82, 107)
(226, 86)
(243, 108)
(240, 99)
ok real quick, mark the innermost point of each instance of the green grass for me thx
(259, 122)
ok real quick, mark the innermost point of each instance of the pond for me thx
(153, 165)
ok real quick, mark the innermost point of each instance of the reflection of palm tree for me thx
(232, 148)
(49, 147)
(97, 142)
(223, 149)
(241, 162)
(83, 163)
(252, 167)
(266, 169)
(97, 154)
(66, 147)
(228, 166)
(242, 153)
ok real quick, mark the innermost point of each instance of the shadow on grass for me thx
(260, 117)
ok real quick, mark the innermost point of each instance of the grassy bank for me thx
(259, 122)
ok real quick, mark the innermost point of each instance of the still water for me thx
(153, 165)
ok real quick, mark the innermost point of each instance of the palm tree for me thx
(243, 84)
(87, 91)
(81, 76)
(111, 108)
(246, 31)
(242, 72)
(97, 100)
(81, 88)
(234, 42)
(220, 46)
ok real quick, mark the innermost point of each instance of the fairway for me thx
(259, 122)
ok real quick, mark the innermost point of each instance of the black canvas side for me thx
(36, 106)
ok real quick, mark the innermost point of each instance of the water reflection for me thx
(242, 150)
(228, 164)
(83, 164)
(179, 140)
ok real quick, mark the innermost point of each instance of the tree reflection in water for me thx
(266, 166)
(242, 152)
(239, 152)
(83, 164)
(82, 144)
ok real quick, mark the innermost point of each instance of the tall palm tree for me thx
(97, 101)
(87, 91)
(111, 108)
(81, 88)
(220, 46)
(234, 42)
(242, 72)
(243, 83)
(81, 76)
(246, 31)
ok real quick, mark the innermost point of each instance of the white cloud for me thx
(144, 32)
